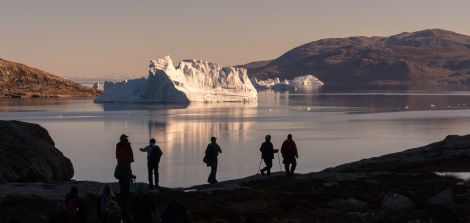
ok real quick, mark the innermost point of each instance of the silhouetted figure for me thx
(154, 153)
(74, 206)
(113, 213)
(143, 206)
(267, 154)
(125, 157)
(106, 195)
(212, 152)
(289, 153)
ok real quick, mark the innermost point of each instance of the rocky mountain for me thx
(21, 81)
(431, 56)
(28, 154)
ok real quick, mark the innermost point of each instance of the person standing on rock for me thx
(125, 157)
(289, 153)
(74, 206)
(106, 194)
(212, 152)
(154, 153)
(267, 154)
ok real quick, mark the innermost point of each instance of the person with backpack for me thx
(106, 195)
(154, 153)
(113, 213)
(210, 158)
(123, 172)
(267, 154)
(74, 206)
(289, 153)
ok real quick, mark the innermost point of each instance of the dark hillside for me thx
(426, 57)
(21, 81)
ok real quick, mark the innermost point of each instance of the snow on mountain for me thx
(191, 80)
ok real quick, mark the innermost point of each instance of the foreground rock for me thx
(21, 81)
(339, 194)
(27, 154)
(449, 155)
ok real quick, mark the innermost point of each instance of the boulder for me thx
(28, 154)
(397, 201)
(442, 198)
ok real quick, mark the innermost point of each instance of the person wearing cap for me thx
(123, 149)
(289, 153)
(212, 152)
(124, 157)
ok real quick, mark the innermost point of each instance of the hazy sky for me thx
(100, 37)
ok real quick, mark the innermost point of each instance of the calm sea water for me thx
(331, 125)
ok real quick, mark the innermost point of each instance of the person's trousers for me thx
(124, 187)
(292, 167)
(269, 165)
(212, 177)
(153, 171)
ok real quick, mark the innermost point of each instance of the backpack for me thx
(119, 171)
(104, 203)
(155, 154)
(72, 208)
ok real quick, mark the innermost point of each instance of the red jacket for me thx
(123, 150)
(289, 148)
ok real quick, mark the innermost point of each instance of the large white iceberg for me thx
(191, 80)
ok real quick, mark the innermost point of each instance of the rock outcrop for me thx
(449, 155)
(28, 154)
(21, 81)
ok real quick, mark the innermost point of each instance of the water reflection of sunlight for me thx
(181, 130)
(185, 137)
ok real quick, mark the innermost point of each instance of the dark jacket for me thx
(212, 151)
(267, 150)
(289, 150)
(123, 150)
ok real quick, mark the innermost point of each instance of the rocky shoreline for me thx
(378, 196)
(398, 187)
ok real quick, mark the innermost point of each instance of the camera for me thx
(133, 177)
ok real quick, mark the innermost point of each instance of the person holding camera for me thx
(125, 157)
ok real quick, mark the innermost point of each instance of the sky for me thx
(90, 38)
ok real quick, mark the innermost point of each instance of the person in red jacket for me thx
(289, 153)
(123, 149)
(125, 157)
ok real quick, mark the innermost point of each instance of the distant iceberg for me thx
(277, 85)
(306, 80)
(191, 80)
